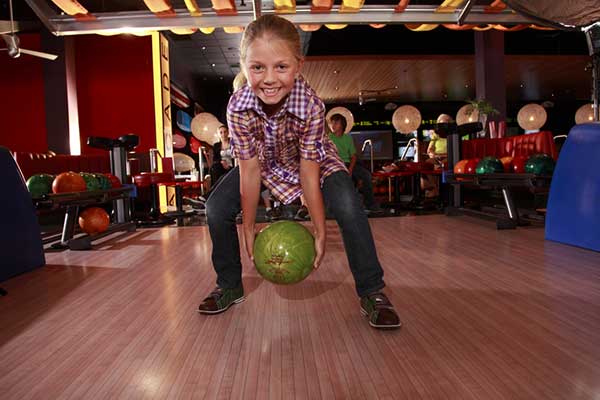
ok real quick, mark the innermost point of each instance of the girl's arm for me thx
(311, 186)
(249, 192)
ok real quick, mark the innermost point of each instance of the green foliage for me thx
(483, 106)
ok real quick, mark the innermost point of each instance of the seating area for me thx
(521, 145)
(516, 191)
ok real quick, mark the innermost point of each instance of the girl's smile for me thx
(271, 68)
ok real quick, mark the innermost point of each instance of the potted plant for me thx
(484, 109)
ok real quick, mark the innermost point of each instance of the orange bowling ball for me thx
(94, 220)
(459, 167)
(507, 163)
(68, 182)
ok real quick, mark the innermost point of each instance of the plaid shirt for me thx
(296, 131)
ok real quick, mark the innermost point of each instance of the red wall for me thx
(115, 88)
(22, 110)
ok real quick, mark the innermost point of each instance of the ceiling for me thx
(393, 63)
(443, 78)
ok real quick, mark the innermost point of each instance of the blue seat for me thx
(21, 248)
(573, 211)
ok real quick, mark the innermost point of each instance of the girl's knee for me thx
(347, 207)
(219, 210)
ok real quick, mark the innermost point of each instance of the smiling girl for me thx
(276, 122)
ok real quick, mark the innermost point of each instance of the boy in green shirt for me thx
(347, 152)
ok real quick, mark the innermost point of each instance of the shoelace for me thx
(216, 294)
(380, 299)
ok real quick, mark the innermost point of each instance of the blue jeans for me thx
(341, 200)
(360, 173)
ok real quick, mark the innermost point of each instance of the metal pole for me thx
(201, 168)
(592, 35)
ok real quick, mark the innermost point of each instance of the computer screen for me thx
(383, 148)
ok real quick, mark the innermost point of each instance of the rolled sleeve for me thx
(312, 145)
(243, 146)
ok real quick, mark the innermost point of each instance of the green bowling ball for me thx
(103, 181)
(489, 165)
(540, 164)
(91, 183)
(40, 185)
(284, 252)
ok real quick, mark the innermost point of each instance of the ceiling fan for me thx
(12, 42)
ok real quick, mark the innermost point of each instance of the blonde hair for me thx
(275, 27)
(239, 81)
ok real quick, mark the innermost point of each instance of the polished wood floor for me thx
(487, 315)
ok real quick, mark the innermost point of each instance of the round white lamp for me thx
(467, 114)
(345, 113)
(584, 114)
(204, 126)
(406, 119)
(183, 162)
(531, 117)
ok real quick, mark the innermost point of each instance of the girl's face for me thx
(223, 134)
(271, 67)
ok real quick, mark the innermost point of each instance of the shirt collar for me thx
(294, 103)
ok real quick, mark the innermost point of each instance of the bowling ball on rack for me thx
(284, 252)
(507, 163)
(518, 164)
(103, 181)
(91, 182)
(489, 165)
(540, 164)
(68, 182)
(94, 220)
(471, 165)
(40, 185)
(459, 167)
(115, 182)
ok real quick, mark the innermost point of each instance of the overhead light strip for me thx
(145, 20)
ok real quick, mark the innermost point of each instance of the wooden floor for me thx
(487, 315)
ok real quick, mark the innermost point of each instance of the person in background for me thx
(438, 156)
(222, 160)
(347, 152)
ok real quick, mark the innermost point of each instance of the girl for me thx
(222, 160)
(276, 124)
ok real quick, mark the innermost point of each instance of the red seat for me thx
(146, 179)
(521, 145)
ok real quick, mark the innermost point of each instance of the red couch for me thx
(36, 163)
(522, 145)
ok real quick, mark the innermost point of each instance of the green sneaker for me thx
(220, 300)
(380, 311)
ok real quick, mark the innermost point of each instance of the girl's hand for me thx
(249, 236)
(319, 249)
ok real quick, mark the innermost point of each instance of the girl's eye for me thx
(256, 68)
(282, 67)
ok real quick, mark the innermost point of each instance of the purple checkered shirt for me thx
(296, 131)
